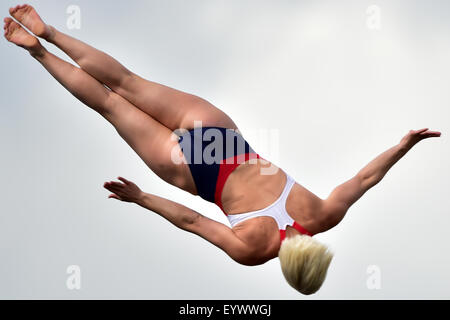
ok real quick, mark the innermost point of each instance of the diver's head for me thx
(304, 262)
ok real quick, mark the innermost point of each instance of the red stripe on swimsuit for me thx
(227, 166)
(298, 227)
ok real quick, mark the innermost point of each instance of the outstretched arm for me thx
(343, 196)
(184, 218)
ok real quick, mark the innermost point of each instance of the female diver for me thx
(270, 214)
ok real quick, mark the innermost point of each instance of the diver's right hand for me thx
(125, 191)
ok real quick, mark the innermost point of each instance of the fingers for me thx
(114, 187)
(110, 186)
(114, 196)
(431, 134)
(422, 130)
(118, 184)
(114, 184)
(117, 187)
(124, 180)
(425, 133)
(120, 190)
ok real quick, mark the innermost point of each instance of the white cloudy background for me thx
(336, 88)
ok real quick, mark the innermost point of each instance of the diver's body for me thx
(146, 114)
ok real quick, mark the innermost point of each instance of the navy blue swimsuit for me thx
(212, 153)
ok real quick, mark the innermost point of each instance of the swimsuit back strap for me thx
(297, 227)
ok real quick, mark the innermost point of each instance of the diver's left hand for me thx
(414, 136)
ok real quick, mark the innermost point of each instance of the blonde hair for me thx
(304, 262)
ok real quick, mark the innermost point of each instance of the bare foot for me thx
(28, 17)
(16, 34)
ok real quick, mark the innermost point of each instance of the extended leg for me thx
(152, 141)
(173, 108)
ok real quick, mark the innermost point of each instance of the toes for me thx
(7, 21)
(11, 27)
(25, 6)
(13, 9)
